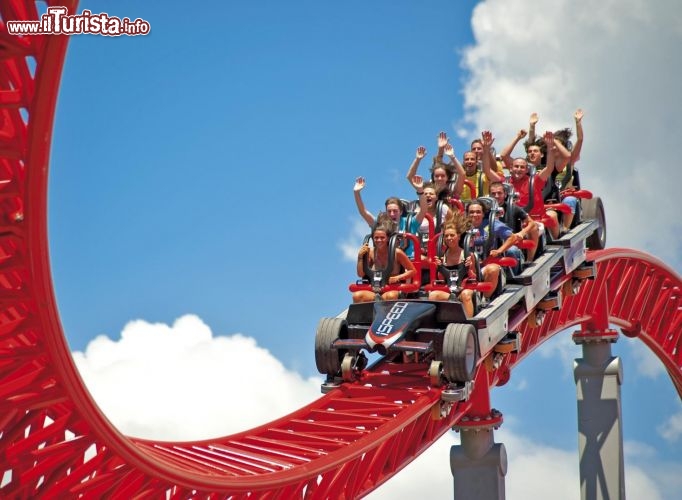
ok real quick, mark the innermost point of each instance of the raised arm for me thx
(493, 175)
(418, 184)
(418, 157)
(507, 151)
(364, 213)
(575, 154)
(549, 141)
(531, 126)
(459, 170)
(442, 141)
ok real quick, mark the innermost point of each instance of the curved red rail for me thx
(55, 442)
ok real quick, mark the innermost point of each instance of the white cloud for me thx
(645, 484)
(429, 475)
(672, 428)
(349, 247)
(638, 450)
(180, 382)
(646, 362)
(562, 346)
(537, 470)
(521, 385)
(616, 60)
(647, 476)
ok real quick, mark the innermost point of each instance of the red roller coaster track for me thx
(55, 442)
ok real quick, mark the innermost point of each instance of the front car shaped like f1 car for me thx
(416, 329)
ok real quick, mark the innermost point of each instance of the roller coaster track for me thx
(55, 442)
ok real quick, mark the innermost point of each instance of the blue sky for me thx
(207, 169)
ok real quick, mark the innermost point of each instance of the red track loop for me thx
(342, 445)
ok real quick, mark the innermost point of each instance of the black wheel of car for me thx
(594, 209)
(328, 360)
(459, 352)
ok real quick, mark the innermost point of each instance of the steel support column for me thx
(598, 377)
(479, 464)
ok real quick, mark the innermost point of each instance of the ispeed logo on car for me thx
(387, 325)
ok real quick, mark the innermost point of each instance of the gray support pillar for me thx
(598, 377)
(478, 466)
